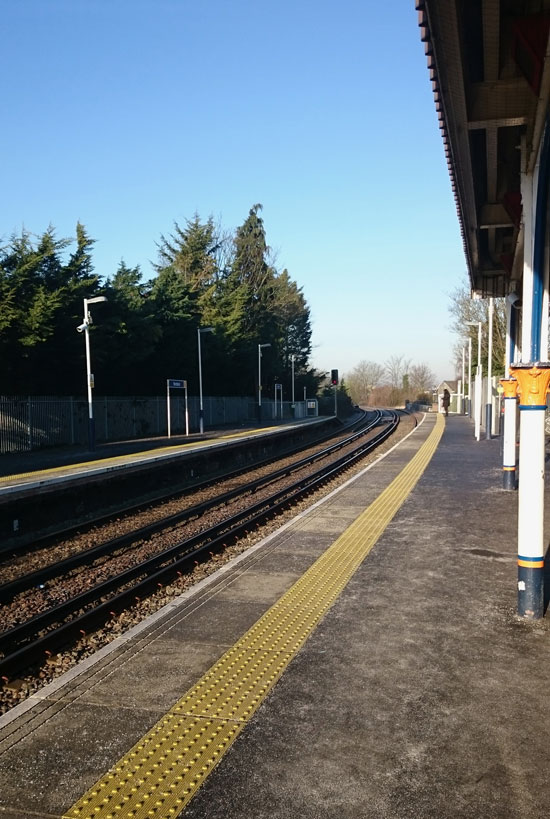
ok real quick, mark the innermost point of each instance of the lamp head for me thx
(96, 299)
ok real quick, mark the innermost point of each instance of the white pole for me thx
(168, 406)
(201, 412)
(545, 306)
(510, 410)
(489, 408)
(84, 327)
(463, 377)
(479, 385)
(528, 231)
(477, 405)
(186, 410)
(88, 362)
(292, 360)
(267, 344)
(91, 428)
(470, 377)
(479, 345)
(531, 500)
(508, 347)
(530, 504)
(259, 375)
(509, 444)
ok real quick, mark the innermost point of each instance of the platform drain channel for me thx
(163, 771)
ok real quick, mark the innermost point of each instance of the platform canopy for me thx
(489, 64)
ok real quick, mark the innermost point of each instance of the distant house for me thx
(452, 386)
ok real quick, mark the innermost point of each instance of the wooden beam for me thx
(500, 104)
(494, 215)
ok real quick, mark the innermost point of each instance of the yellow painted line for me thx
(163, 771)
(99, 463)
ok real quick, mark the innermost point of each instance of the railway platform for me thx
(19, 471)
(41, 491)
(363, 662)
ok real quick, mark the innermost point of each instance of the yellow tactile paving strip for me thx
(101, 463)
(163, 771)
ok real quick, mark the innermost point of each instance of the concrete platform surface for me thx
(25, 469)
(419, 694)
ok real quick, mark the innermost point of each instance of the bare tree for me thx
(464, 308)
(388, 385)
(421, 379)
(397, 370)
(363, 379)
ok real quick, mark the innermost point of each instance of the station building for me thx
(489, 65)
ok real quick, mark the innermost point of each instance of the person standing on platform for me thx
(446, 400)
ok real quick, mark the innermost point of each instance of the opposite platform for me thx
(408, 699)
(36, 502)
(33, 470)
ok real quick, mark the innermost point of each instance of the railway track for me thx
(86, 557)
(134, 508)
(28, 643)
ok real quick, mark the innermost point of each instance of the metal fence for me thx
(35, 422)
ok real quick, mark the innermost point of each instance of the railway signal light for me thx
(334, 378)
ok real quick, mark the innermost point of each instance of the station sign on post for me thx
(279, 394)
(334, 382)
(176, 384)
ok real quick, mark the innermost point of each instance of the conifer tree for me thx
(147, 332)
(124, 349)
(31, 285)
(191, 252)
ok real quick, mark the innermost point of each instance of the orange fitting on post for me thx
(533, 384)
(510, 387)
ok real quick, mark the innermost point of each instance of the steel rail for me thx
(86, 557)
(85, 526)
(215, 538)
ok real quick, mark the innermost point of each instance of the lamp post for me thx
(260, 346)
(470, 377)
(478, 381)
(201, 410)
(463, 402)
(85, 328)
(292, 358)
(489, 407)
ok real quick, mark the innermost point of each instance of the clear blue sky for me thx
(129, 114)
